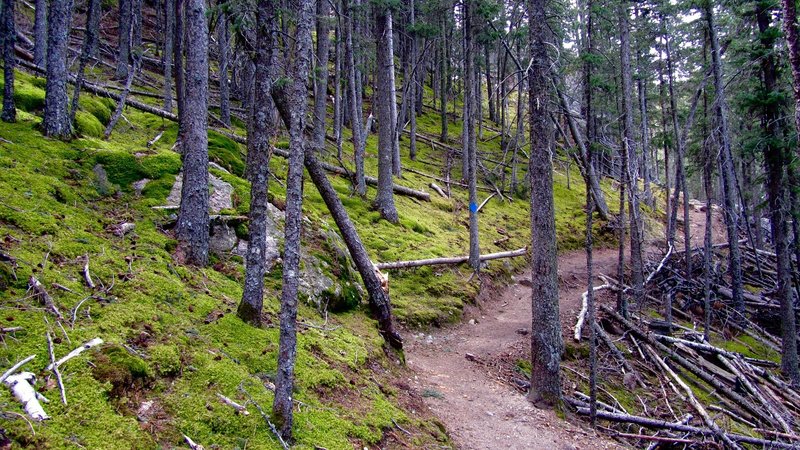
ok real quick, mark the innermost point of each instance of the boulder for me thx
(220, 194)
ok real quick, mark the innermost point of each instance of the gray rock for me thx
(138, 186)
(220, 194)
(223, 237)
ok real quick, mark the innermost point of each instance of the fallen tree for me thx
(449, 261)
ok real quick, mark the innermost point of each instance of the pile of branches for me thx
(693, 392)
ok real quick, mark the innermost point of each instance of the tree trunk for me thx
(223, 46)
(192, 228)
(378, 298)
(384, 90)
(9, 36)
(391, 95)
(727, 170)
(353, 103)
(776, 161)
(136, 24)
(443, 69)
(40, 33)
(629, 156)
(169, 43)
(546, 343)
(321, 75)
(125, 15)
(56, 103)
(337, 92)
(180, 73)
(416, 77)
(262, 128)
(470, 98)
(294, 95)
(489, 85)
(89, 47)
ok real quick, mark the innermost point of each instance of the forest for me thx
(385, 224)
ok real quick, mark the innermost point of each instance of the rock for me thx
(223, 237)
(101, 182)
(213, 165)
(472, 321)
(220, 194)
(138, 186)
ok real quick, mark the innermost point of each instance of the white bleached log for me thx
(14, 368)
(21, 385)
(585, 309)
(85, 346)
(240, 408)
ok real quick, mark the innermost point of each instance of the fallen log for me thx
(21, 385)
(45, 298)
(85, 346)
(449, 261)
(14, 368)
(691, 367)
(663, 425)
(372, 181)
(585, 309)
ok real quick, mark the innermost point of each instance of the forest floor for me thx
(456, 376)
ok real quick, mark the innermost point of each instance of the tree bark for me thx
(546, 343)
(180, 73)
(321, 74)
(391, 95)
(9, 37)
(193, 221)
(629, 158)
(384, 90)
(470, 155)
(294, 94)
(56, 103)
(89, 48)
(40, 33)
(355, 106)
(776, 161)
(262, 128)
(223, 46)
(727, 170)
(169, 48)
(125, 15)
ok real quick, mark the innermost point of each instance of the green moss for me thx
(87, 125)
(226, 153)
(166, 359)
(100, 108)
(160, 164)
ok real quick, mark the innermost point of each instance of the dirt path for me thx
(481, 411)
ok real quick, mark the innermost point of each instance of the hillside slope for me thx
(172, 340)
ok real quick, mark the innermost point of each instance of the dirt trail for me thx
(481, 411)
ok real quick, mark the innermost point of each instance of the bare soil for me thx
(457, 368)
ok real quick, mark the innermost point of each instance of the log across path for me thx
(478, 410)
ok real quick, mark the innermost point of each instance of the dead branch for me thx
(15, 367)
(56, 372)
(85, 346)
(45, 298)
(449, 261)
(86, 275)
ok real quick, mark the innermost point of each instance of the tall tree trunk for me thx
(223, 46)
(546, 343)
(727, 170)
(384, 90)
(416, 77)
(443, 69)
(169, 48)
(353, 102)
(9, 37)
(124, 38)
(629, 156)
(89, 47)
(321, 75)
(338, 109)
(295, 96)
(776, 161)
(40, 33)
(489, 85)
(193, 221)
(136, 24)
(56, 103)
(470, 146)
(180, 73)
(262, 128)
(388, 61)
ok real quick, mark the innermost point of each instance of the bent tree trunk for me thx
(56, 103)
(378, 298)
(192, 228)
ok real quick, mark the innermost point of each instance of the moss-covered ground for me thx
(172, 340)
